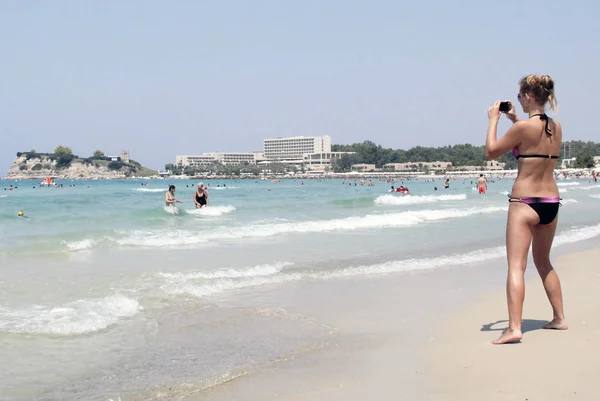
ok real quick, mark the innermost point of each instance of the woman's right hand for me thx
(512, 114)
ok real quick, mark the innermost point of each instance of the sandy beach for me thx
(442, 349)
(546, 365)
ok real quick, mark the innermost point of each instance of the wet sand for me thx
(426, 336)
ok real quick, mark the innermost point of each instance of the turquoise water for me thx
(100, 281)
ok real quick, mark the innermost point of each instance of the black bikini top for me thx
(543, 117)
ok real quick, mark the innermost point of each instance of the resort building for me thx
(418, 166)
(322, 161)
(568, 163)
(208, 158)
(494, 165)
(292, 149)
(363, 167)
(311, 152)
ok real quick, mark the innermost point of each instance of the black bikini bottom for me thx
(546, 208)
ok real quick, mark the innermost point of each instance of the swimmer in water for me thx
(482, 184)
(170, 197)
(201, 196)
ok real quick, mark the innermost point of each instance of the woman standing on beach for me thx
(534, 201)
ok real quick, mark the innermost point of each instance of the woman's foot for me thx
(509, 336)
(557, 324)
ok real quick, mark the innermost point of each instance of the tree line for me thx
(368, 152)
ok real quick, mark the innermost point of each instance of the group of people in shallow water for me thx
(200, 196)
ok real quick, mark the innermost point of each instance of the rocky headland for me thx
(33, 165)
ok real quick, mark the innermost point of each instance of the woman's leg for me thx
(543, 235)
(518, 239)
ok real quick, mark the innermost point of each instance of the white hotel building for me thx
(208, 158)
(293, 148)
(313, 152)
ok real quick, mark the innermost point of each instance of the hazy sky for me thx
(162, 78)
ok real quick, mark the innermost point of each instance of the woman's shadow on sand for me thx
(526, 325)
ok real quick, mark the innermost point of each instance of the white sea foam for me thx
(171, 209)
(254, 271)
(595, 196)
(569, 200)
(590, 187)
(387, 220)
(80, 245)
(207, 283)
(150, 189)
(211, 210)
(567, 184)
(223, 285)
(200, 284)
(221, 188)
(563, 190)
(78, 317)
(3, 196)
(416, 199)
(577, 235)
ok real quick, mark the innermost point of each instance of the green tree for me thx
(189, 170)
(98, 154)
(115, 165)
(584, 160)
(62, 150)
(64, 160)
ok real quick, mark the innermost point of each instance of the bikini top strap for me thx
(544, 117)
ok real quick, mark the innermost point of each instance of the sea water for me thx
(105, 293)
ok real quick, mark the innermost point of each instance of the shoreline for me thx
(391, 331)
(510, 174)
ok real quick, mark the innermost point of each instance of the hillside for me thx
(38, 166)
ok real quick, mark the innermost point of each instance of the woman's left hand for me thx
(494, 111)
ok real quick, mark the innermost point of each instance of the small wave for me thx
(568, 200)
(567, 184)
(577, 235)
(387, 220)
(595, 196)
(255, 271)
(563, 190)
(197, 285)
(221, 188)
(590, 187)
(566, 237)
(171, 209)
(3, 196)
(80, 245)
(150, 189)
(202, 284)
(416, 199)
(211, 210)
(78, 317)
(505, 193)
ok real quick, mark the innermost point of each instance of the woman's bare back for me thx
(536, 175)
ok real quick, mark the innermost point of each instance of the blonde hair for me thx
(540, 88)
